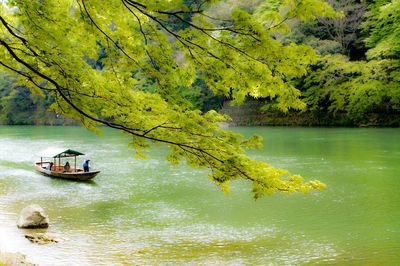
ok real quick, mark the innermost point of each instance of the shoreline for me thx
(14, 259)
(13, 244)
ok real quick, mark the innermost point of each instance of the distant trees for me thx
(383, 28)
(16, 102)
(354, 73)
(358, 68)
(337, 35)
(19, 106)
(356, 88)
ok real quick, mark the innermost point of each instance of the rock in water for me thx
(33, 216)
(42, 239)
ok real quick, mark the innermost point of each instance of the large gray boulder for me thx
(33, 216)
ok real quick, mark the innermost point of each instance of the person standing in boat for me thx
(50, 166)
(86, 166)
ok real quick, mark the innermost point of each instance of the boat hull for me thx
(78, 176)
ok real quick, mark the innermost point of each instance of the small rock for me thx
(33, 216)
(42, 239)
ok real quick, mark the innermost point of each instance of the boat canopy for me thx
(60, 153)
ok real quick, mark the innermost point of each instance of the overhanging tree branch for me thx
(60, 89)
(145, 116)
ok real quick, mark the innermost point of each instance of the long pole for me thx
(75, 162)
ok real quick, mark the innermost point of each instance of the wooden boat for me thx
(60, 171)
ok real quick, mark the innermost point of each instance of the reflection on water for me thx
(147, 212)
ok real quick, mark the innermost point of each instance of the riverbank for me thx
(14, 259)
(250, 114)
(39, 119)
(13, 244)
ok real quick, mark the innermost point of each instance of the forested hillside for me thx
(357, 73)
(354, 77)
(18, 106)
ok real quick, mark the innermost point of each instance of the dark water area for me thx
(147, 212)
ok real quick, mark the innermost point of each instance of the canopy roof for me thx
(60, 152)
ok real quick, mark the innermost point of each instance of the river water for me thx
(146, 212)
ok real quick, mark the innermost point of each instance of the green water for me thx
(150, 213)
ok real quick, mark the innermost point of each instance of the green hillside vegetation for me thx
(18, 106)
(362, 79)
(354, 79)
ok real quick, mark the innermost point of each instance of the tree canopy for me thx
(49, 46)
(356, 75)
(384, 27)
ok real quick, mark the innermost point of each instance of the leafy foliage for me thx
(355, 88)
(137, 87)
(384, 27)
(19, 106)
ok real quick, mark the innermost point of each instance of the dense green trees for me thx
(358, 66)
(18, 106)
(383, 26)
(357, 88)
(360, 82)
